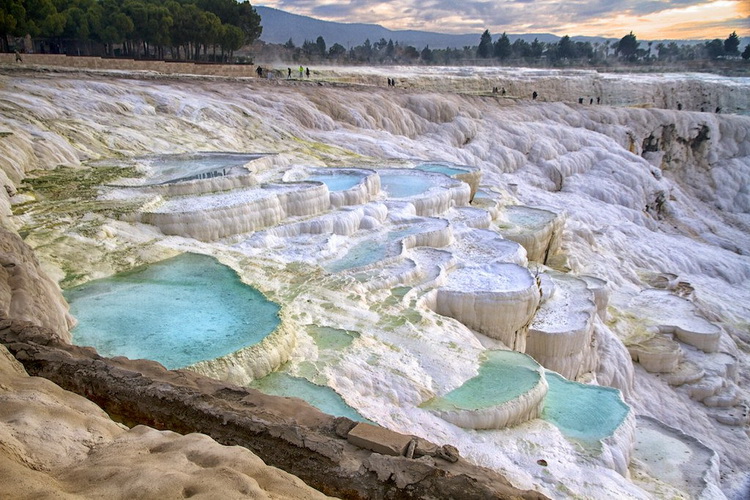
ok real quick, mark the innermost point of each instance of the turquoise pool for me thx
(337, 182)
(441, 169)
(503, 376)
(178, 311)
(370, 251)
(584, 412)
(323, 398)
(403, 185)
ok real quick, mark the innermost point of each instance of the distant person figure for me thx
(591, 101)
(307, 72)
(718, 109)
(18, 57)
(289, 73)
(389, 81)
(259, 71)
(503, 91)
(534, 95)
(301, 72)
(580, 100)
(702, 109)
(598, 100)
(679, 106)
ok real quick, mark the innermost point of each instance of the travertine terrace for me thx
(557, 231)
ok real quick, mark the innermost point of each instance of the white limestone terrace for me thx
(348, 186)
(561, 333)
(673, 315)
(660, 90)
(615, 227)
(498, 300)
(173, 169)
(430, 193)
(538, 230)
(480, 278)
(480, 246)
(216, 216)
(465, 173)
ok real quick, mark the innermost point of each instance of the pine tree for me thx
(485, 45)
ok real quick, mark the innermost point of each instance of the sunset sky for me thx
(648, 19)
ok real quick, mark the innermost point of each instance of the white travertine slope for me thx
(561, 333)
(498, 300)
(630, 210)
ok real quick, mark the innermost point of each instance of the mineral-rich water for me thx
(584, 412)
(178, 311)
(321, 397)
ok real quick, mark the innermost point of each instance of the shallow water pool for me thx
(440, 169)
(370, 251)
(323, 398)
(584, 412)
(503, 376)
(403, 185)
(166, 169)
(178, 311)
(337, 182)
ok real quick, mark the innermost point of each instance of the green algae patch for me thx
(331, 338)
(64, 183)
(64, 195)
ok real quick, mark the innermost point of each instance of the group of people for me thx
(302, 72)
(591, 100)
(391, 82)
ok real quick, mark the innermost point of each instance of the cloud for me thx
(574, 17)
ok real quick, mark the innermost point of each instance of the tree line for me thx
(565, 51)
(182, 29)
(196, 29)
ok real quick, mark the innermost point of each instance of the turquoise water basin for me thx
(587, 413)
(528, 217)
(323, 398)
(503, 376)
(178, 311)
(404, 185)
(440, 169)
(370, 251)
(169, 169)
(337, 182)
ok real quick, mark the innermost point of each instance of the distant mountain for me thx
(279, 26)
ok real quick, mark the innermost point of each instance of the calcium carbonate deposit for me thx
(412, 237)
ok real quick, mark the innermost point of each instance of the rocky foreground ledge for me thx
(334, 455)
